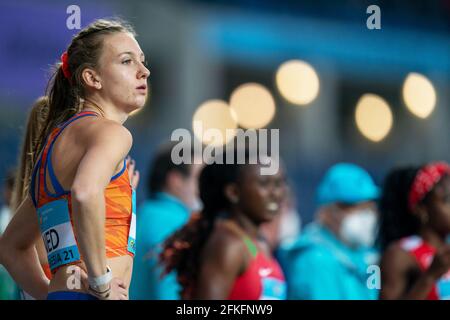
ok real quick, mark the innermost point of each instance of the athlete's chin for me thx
(140, 101)
(136, 105)
(264, 219)
(269, 215)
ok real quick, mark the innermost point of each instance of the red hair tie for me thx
(425, 180)
(65, 65)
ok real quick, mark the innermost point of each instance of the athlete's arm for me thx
(18, 253)
(222, 261)
(396, 266)
(106, 147)
(439, 266)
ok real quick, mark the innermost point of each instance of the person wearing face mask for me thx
(330, 259)
(173, 196)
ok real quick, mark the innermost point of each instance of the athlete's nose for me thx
(144, 72)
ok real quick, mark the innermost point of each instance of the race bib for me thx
(273, 289)
(132, 233)
(443, 287)
(57, 233)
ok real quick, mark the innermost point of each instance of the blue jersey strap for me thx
(33, 183)
(33, 178)
(121, 171)
(48, 161)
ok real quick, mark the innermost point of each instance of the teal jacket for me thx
(318, 266)
(157, 219)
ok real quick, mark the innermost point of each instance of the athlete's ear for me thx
(91, 78)
(232, 193)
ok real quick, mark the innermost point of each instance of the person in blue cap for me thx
(331, 257)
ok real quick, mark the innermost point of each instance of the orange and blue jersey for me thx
(55, 209)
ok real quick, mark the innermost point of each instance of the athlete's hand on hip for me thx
(132, 172)
(119, 290)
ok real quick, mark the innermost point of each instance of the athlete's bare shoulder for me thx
(99, 130)
(225, 235)
(224, 248)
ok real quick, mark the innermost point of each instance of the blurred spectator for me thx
(29, 152)
(8, 288)
(415, 223)
(329, 260)
(5, 211)
(173, 196)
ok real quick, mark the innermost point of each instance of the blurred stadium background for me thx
(201, 50)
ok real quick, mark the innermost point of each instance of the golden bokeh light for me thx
(419, 95)
(373, 117)
(214, 123)
(253, 105)
(297, 82)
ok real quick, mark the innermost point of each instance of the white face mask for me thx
(359, 228)
(290, 226)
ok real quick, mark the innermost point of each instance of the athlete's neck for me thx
(432, 237)
(245, 223)
(105, 110)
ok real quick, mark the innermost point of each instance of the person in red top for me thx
(415, 223)
(220, 253)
